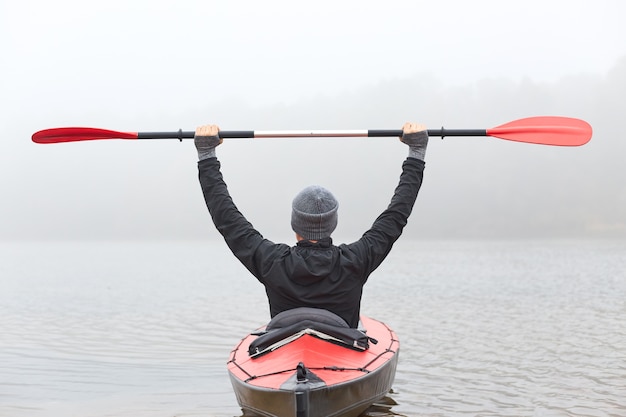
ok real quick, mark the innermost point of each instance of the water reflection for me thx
(381, 408)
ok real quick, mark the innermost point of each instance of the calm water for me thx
(519, 328)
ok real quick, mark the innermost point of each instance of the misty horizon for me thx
(474, 188)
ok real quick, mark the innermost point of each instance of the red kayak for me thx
(309, 363)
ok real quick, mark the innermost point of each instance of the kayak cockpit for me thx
(290, 325)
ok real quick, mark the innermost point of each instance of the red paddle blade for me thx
(553, 130)
(75, 134)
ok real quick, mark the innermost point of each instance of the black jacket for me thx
(321, 274)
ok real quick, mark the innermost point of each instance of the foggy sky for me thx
(159, 65)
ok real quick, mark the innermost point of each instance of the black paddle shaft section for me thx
(191, 134)
(431, 132)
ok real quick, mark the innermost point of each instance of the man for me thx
(314, 272)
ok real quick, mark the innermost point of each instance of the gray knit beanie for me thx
(314, 213)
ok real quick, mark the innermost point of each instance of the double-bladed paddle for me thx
(546, 130)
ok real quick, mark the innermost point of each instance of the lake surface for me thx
(144, 329)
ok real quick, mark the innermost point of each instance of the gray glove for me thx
(206, 140)
(416, 136)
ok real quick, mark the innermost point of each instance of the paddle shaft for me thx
(249, 134)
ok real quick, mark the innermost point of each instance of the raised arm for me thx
(375, 244)
(240, 236)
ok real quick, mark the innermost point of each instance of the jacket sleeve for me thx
(240, 236)
(375, 244)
